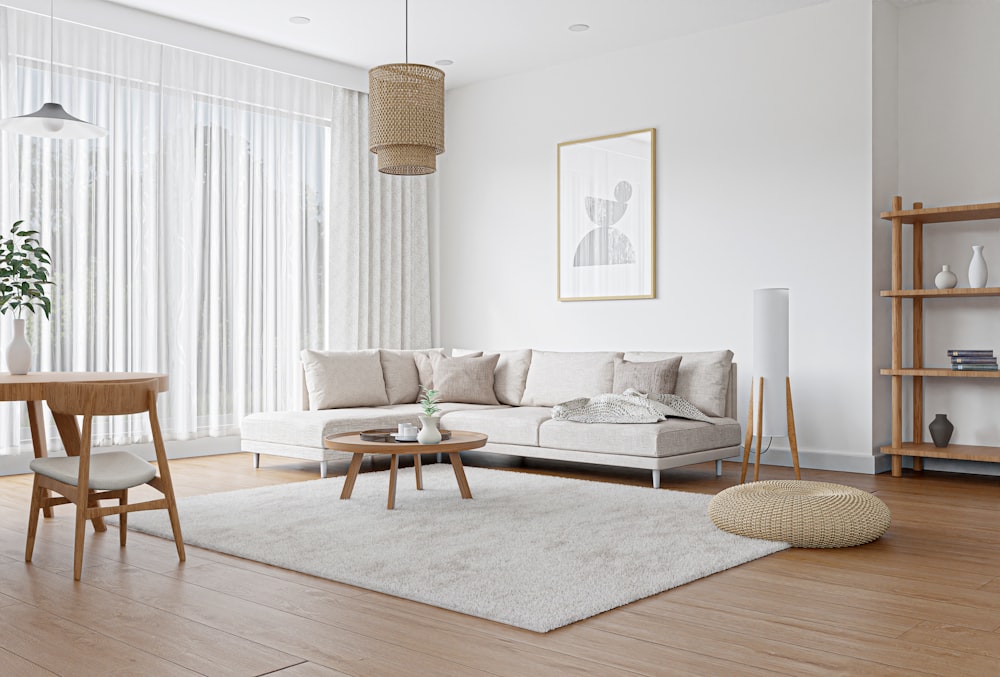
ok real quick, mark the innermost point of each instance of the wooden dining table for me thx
(30, 389)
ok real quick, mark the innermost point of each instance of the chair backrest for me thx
(102, 399)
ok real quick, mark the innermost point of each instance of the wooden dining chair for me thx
(86, 479)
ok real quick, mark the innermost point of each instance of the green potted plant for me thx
(429, 433)
(24, 276)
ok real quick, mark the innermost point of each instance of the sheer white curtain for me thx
(232, 217)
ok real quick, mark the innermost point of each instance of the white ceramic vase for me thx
(18, 351)
(429, 433)
(945, 279)
(978, 273)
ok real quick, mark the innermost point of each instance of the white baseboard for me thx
(17, 464)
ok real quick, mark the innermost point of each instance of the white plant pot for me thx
(429, 433)
(18, 351)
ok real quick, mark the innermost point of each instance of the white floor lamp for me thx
(772, 416)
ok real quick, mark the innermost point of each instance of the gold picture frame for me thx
(606, 232)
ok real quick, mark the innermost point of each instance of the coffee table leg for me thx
(456, 465)
(393, 467)
(416, 470)
(352, 474)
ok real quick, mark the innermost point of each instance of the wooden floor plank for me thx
(920, 600)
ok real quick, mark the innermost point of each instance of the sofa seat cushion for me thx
(308, 428)
(514, 425)
(672, 437)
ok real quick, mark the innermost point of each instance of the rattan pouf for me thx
(805, 514)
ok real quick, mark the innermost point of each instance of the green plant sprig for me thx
(429, 402)
(24, 272)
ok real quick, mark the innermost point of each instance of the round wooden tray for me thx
(389, 435)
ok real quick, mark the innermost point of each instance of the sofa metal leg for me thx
(718, 468)
(439, 458)
(656, 479)
(322, 470)
(256, 461)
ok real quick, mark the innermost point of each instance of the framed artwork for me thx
(607, 217)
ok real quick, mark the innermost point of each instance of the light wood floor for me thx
(925, 599)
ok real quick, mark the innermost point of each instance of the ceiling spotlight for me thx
(443, 62)
(301, 20)
(579, 28)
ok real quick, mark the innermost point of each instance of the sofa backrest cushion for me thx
(402, 382)
(466, 379)
(510, 375)
(555, 377)
(344, 379)
(646, 377)
(703, 378)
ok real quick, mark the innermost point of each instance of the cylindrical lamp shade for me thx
(406, 117)
(770, 356)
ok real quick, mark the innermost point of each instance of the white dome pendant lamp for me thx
(52, 120)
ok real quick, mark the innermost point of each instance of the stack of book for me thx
(973, 360)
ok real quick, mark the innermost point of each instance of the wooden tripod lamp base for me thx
(792, 443)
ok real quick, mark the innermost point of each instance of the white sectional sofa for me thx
(509, 396)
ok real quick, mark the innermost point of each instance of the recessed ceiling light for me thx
(299, 19)
(443, 62)
(579, 28)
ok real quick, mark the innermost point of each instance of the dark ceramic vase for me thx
(941, 429)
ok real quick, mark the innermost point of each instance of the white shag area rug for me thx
(532, 551)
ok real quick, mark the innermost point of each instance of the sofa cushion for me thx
(510, 375)
(703, 379)
(514, 425)
(555, 377)
(426, 360)
(308, 428)
(646, 377)
(668, 438)
(466, 379)
(344, 379)
(399, 370)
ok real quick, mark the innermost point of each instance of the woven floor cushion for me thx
(804, 514)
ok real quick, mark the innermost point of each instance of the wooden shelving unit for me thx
(917, 448)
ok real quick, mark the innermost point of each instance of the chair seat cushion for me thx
(804, 514)
(108, 471)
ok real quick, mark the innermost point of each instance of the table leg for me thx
(393, 467)
(38, 440)
(69, 432)
(456, 465)
(416, 470)
(352, 474)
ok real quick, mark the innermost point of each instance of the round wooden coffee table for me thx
(352, 442)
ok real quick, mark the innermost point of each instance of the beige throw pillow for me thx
(510, 375)
(647, 377)
(344, 379)
(402, 381)
(703, 379)
(555, 377)
(466, 379)
(427, 360)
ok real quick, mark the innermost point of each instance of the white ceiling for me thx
(485, 39)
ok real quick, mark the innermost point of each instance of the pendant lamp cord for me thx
(406, 30)
(52, 52)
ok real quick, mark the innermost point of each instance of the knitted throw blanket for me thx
(628, 407)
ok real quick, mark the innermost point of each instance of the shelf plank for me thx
(940, 371)
(934, 293)
(979, 212)
(964, 452)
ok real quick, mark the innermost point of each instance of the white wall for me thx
(949, 153)
(764, 178)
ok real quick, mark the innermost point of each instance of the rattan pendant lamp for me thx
(52, 120)
(406, 115)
